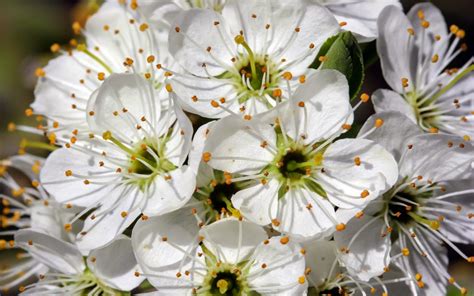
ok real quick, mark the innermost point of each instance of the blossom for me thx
(359, 17)
(228, 257)
(26, 207)
(327, 276)
(416, 213)
(131, 164)
(118, 38)
(108, 270)
(298, 171)
(415, 51)
(248, 57)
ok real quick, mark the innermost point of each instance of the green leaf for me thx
(342, 53)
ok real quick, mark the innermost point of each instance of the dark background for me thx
(29, 27)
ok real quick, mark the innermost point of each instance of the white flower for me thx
(416, 212)
(133, 163)
(415, 51)
(298, 172)
(327, 276)
(248, 57)
(119, 38)
(358, 16)
(26, 207)
(228, 257)
(108, 270)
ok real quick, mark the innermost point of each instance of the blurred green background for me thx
(29, 27)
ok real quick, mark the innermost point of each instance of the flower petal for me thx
(115, 264)
(350, 185)
(325, 100)
(368, 250)
(320, 257)
(170, 192)
(305, 215)
(258, 203)
(394, 134)
(285, 266)
(232, 241)
(235, 145)
(385, 100)
(53, 252)
(133, 98)
(438, 157)
(204, 173)
(115, 214)
(71, 189)
(396, 55)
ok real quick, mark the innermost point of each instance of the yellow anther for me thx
(405, 252)
(364, 97)
(357, 161)
(169, 88)
(143, 27)
(284, 240)
(107, 135)
(301, 104)
(340, 227)
(39, 72)
(55, 48)
(76, 28)
(101, 76)
(434, 130)
(466, 138)
(411, 31)
(470, 259)
(323, 59)
(364, 193)
(11, 127)
(287, 76)
(239, 39)
(223, 286)
(405, 82)
(277, 93)
(435, 58)
(435, 224)
(124, 214)
(29, 112)
(378, 122)
(206, 156)
(359, 215)
(247, 117)
(302, 280)
(425, 24)
(214, 104)
(463, 291)
(346, 126)
(421, 284)
(342, 24)
(302, 79)
(460, 34)
(67, 227)
(421, 14)
(453, 29)
(133, 4)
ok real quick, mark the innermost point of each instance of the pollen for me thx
(470, 259)
(323, 59)
(39, 72)
(405, 82)
(302, 79)
(76, 28)
(67, 227)
(128, 62)
(425, 24)
(346, 126)
(248, 117)
(287, 76)
(239, 39)
(68, 173)
(143, 27)
(277, 93)
(357, 161)
(206, 156)
(101, 76)
(435, 58)
(433, 130)
(460, 34)
(302, 280)
(301, 104)
(405, 252)
(359, 215)
(342, 24)
(124, 214)
(340, 227)
(169, 88)
(214, 104)
(55, 48)
(284, 240)
(364, 97)
(378, 122)
(411, 31)
(364, 193)
(435, 224)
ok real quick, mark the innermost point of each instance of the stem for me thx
(39, 145)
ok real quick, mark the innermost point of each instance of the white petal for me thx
(344, 181)
(231, 240)
(203, 171)
(368, 250)
(394, 134)
(360, 16)
(320, 257)
(45, 219)
(27, 164)
(235, 145)
(258, 203)
(197, 33)
(285, 265)
(155, 255)
(119, 91)
(71, 189)
(164, 196)
(179, 143)
(302, 223)
(385, 100)
(115, 264)
(325, 95)
(109, 221)
(393, 48)
(432, 158)
(61, 88)
(56, 254)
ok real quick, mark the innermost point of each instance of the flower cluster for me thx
(210, 148)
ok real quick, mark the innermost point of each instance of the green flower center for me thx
(225, 279)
